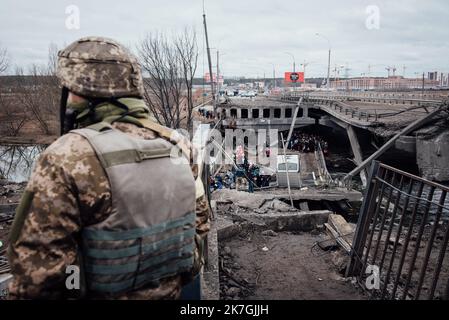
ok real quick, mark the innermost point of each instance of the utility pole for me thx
(218, 75)
(304, 65)
(210, 62)
(328, 60)
(423, 85)
(294, 61)
(329, 70)
(347, 69)
(335, 77)
(274, 75)
(294, 67)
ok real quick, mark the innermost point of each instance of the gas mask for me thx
(66, 117)
(72, 114)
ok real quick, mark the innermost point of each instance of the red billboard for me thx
(294, 77)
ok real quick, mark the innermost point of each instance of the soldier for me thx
(109, 197)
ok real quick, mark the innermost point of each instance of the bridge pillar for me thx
(357, 151)
(305, 111)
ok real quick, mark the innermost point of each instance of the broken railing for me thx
(401, 241)
(337, 104)
(324, 174)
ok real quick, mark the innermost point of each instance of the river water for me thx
(16, 162)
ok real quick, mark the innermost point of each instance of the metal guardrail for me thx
(431, 98)
(339, 107)
(403, 231)
(336, 102)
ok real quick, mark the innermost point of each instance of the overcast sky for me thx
(251, 34)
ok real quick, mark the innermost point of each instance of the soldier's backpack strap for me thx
(166, 133)
(181, 142)
(169, 134)
(100, 126)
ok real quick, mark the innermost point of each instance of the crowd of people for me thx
(243, 171)
(304, 142)
(208, 114)
(251, 173)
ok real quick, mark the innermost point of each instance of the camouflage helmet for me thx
(99, 68)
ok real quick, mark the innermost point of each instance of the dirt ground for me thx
(417, 267)
(288, 270)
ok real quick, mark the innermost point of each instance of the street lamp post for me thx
(328, 60)
(274, 76)
(294, 66)
(218, 75)
(218, 88)
(294, 62)
(304, 65)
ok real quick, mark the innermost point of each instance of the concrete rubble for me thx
(262, 223)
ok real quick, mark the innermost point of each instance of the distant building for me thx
(444, 80)
(389, 83)
(432, 75)
(259, 84)
(309, 85)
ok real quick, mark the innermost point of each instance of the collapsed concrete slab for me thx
(241, 215)
(433, 156)
(282, 221)
(240, 198)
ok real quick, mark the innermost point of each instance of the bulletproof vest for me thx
(150, 232)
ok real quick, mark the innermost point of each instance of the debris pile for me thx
(232, 286)
(338, 241)
(10, 194)
(266, 250)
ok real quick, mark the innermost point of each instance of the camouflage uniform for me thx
(69, 190)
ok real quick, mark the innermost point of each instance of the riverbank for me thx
(10, 194)
(27, 140)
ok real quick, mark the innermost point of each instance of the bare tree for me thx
(52, 59)
(38, 92)
(188, 52)
(13, 119)
(3, 60)
(170, 64)
(18, 160)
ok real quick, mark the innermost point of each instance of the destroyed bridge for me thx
(409, 123)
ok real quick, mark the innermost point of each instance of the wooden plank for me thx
(343, 228)
(334, 234)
